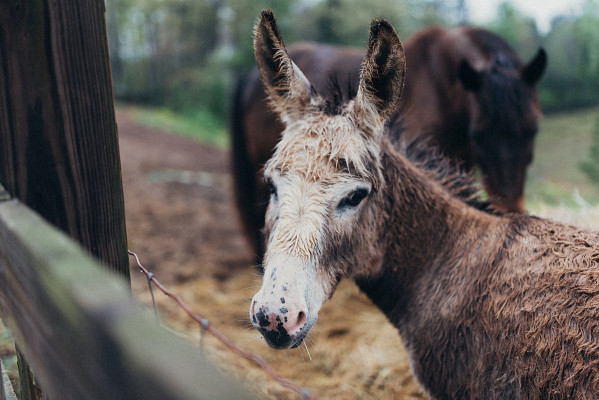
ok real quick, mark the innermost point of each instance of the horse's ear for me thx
(471, 79)
(286, 85)
(383, 74)
(532, 72)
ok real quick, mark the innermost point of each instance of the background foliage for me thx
(186, 55)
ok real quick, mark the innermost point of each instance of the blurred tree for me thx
(587, 33)
(431, 12)
(245, 14)
(183, 53)
(346, 22)
(156, 38)
(556, 88)
(518, 30)
(573, 71)
(461, 12)
(113, 10)
(187, 54)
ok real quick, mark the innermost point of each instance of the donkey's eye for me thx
(272, 188)
(353, 199)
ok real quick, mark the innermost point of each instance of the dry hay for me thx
(354, 353)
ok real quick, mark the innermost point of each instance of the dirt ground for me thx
(182, 223)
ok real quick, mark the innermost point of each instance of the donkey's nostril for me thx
(301, 319)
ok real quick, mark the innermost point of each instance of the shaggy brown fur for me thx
(489, 306)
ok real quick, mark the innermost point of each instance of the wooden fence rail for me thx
(79, 328)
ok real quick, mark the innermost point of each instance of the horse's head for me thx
(325, 179)
(504, 122)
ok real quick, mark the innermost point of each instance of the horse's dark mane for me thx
(505, 92)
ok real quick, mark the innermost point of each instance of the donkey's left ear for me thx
(383, 73)
(286, 85)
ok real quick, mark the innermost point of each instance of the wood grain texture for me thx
(80, 330)
(58, 136)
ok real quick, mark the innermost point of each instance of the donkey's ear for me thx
(471, 79)
(532, 72)
(286, 85)
(383, 73)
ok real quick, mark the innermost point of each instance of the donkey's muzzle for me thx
(283, 329)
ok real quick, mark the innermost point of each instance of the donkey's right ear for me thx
(286, 85)
(382, 76)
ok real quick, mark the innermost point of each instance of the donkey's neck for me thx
(427, 236)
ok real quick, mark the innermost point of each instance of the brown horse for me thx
(489, 306)
(466, 89)
(469, 90)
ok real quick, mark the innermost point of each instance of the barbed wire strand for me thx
(304, 393)
(149, 276)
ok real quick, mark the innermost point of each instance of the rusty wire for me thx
(206, 326)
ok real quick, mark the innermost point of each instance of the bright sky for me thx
(542, 10)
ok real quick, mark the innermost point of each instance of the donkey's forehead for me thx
(322, 146)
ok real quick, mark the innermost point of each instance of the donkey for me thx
(467, 91)
(489, 305)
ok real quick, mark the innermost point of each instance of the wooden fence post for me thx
(58, 137)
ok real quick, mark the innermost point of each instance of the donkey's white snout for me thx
(283, 325)
(286, 306)
(278, 317)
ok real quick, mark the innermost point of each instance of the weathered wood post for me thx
(58, 136)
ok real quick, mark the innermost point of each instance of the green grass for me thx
(555, 178)
(198, 125)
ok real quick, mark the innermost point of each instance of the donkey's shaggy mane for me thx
(448, 173)
(338, 94)
(459, 182)
(422, 152)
